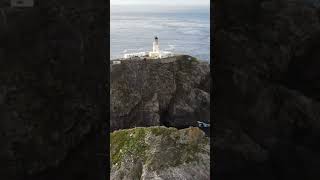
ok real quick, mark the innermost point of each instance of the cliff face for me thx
(266, 81)
(147, 93)
(51, 88)
(160, 153)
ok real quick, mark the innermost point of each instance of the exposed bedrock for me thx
(148, 93)
(160, 153)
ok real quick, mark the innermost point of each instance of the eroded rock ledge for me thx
(160, 153)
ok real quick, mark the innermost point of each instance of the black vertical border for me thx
(212, 121)
(107, 87)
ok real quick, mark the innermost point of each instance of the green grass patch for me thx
(127, 142)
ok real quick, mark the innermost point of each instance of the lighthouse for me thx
(156, 45)
(155, 53)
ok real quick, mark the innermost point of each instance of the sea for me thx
(180, 30)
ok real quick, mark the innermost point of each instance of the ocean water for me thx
(182, 31)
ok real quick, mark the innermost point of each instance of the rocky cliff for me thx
(160, 153)
(171, 92)
(266, 84)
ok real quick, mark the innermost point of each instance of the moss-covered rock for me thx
(168, 153)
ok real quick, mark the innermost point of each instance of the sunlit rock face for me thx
(160, 153)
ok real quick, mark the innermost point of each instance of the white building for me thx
(116, 62)
(165, 54)
(154, 54)
(131, 55)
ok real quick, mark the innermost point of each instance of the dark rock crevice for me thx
(303, 74)
(165, 118)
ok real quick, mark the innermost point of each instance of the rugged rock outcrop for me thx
(52, 100)
(160, 153)
(171, 92)
(266, 85)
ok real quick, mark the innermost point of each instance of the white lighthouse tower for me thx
(156, 45)
(155, 53)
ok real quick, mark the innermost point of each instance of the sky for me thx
(162, 2)
(119, 6)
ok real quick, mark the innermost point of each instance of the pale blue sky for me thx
(162, 2)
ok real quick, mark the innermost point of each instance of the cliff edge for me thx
(173, 92)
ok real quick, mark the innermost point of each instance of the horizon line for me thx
(158, 4)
